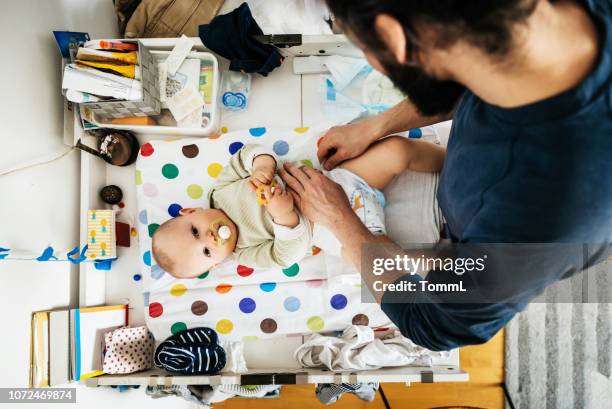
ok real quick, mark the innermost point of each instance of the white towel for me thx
(359, 349)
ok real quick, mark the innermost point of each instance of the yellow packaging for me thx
(128, 71)
(87, 54)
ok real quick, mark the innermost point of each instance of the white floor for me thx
(39, 206)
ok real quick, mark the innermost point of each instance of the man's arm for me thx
(345, 142)
(402, 117)
(427, 321)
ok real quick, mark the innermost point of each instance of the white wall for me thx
(39, 206)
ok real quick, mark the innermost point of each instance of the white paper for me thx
(59, 349)
(92, 326)
(184, 103)
(99, 85)
(179, 53)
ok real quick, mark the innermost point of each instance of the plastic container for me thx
(213, 107)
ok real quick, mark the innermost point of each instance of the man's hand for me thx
(280, 206)
(318, 198)
(345, 142)
(264, 167)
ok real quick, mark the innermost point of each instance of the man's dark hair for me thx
(487, 24)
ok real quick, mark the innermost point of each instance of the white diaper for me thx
(367, 202)
(412, 202)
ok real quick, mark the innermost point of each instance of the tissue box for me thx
(101, 242)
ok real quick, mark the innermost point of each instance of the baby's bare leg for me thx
(382, 161)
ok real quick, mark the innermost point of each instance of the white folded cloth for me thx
(359, 349)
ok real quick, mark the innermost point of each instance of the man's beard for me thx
(429, 95)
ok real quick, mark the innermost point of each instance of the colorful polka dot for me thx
(138, 178)
(214, 136)
(257, 132)
(268, 326)
(142, 216)
(224, 129)
(315, 250)
(235, 147)
(190, 151)
(314, 283)
(360, 319)
(170, 171)
(155, 310)
(307, 163)
(178, 327)
(174, 209)
(146, 258)
(156, 272)
(281, 148)
(178, 289)
(203, 275)
(153, 228)
(315, 323)
(244, 271)
(301, 130)
(147, 149)
(415, 133)
(250, 338)
(292, 271)
(136, 277)
(224, 326)
(223, 288)
(195, 191)
(247, 305)
(149, 190)
(291, 304)
(133, 232)
(267, 287)
(199, 308)
(214, 169)
(338, 301)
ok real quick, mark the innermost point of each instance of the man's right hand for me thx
(345, 142)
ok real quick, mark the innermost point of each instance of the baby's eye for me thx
(195, 232)
(206, 252)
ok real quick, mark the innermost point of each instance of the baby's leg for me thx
(382, 161)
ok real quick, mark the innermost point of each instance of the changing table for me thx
(283, 99)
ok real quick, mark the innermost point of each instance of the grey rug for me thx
(559, 354)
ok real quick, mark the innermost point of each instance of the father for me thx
(529, 159)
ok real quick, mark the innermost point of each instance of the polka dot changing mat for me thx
(238, 301)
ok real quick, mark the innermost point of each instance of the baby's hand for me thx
(264, 167)
(280, 206)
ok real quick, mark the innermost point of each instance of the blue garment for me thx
(191, 351)
(539, 173)
(231, 35)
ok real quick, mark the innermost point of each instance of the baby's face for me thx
(191, 241)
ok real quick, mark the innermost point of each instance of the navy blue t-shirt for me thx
(540, 173)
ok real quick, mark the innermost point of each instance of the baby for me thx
(252, 215)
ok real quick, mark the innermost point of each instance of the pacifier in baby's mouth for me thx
(220, 229)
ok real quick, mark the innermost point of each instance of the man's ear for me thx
(391, 33)
(186, 210)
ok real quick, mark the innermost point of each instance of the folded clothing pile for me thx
(127, 350)
(359, 349)
(192, 351)
(103, 70)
